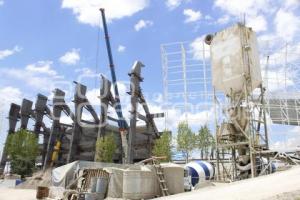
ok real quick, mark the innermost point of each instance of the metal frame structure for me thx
(281, 65)
(186, 78)
(175, 56)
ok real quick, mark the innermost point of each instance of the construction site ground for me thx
(280, 185)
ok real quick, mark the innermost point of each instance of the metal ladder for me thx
(161, 178)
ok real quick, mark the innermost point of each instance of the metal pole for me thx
(216, 136)
(184, 82)
(164, 59)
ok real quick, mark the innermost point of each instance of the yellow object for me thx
(55, 151)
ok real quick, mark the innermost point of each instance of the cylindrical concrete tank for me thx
(200, 171)
(139, 183)
(174, 176)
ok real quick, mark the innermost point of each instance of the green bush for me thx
(105, 148)
(186, 139)
(22, 148)
(162, 146)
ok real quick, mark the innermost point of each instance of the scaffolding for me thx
(281, 66)
(186, 82)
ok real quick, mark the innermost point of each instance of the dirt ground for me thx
(17, 194)
(283, 185)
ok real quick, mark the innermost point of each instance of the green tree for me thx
(22, 148)
(105, 148)
(185, 139)
(205, 142)
(162, 146)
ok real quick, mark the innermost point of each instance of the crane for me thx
(123, 126)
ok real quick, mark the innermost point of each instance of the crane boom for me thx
(121, 121)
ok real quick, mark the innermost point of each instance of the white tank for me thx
(139, 183)
(200, 171)
(174, 176)
(231, 51)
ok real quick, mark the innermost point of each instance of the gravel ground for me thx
(281, 185)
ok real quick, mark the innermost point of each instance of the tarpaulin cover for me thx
(63, 176)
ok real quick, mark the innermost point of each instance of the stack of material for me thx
(39, 178)
(124, 181)
(64, 175)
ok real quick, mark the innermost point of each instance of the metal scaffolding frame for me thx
(186, 77)
(281, 66)
(279, 85)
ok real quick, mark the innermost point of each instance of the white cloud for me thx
(171, 4)
(250, 7)
(43, 67)
(121, 48)
(291, 141)
(142, 24)
(291, 4)
(208, 17)
(84, 71)
(191, 15)
(87, 11)
(71, 57)
(287, 24)
(10, 95)
(277, 79)
(8, 52)
(258, 23)
(223, 20)
(1, 3)
(39, 75)
(65, 120)
(198, 46)
(93, 96)
(253, 10)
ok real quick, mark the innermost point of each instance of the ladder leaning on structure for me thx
(161, 177)
(159, 174)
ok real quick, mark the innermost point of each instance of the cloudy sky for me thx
(48, 44)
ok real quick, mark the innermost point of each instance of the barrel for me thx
(200, 171)
(139, 183)
(101, 185)
(93, 184)
(90, 196)
(42, 192)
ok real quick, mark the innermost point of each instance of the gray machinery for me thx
(25, 112)
(236, 72)
(129, 141)
(13, 116)
(138, 97)
(64, 143)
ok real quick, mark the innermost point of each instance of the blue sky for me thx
(50, 43)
